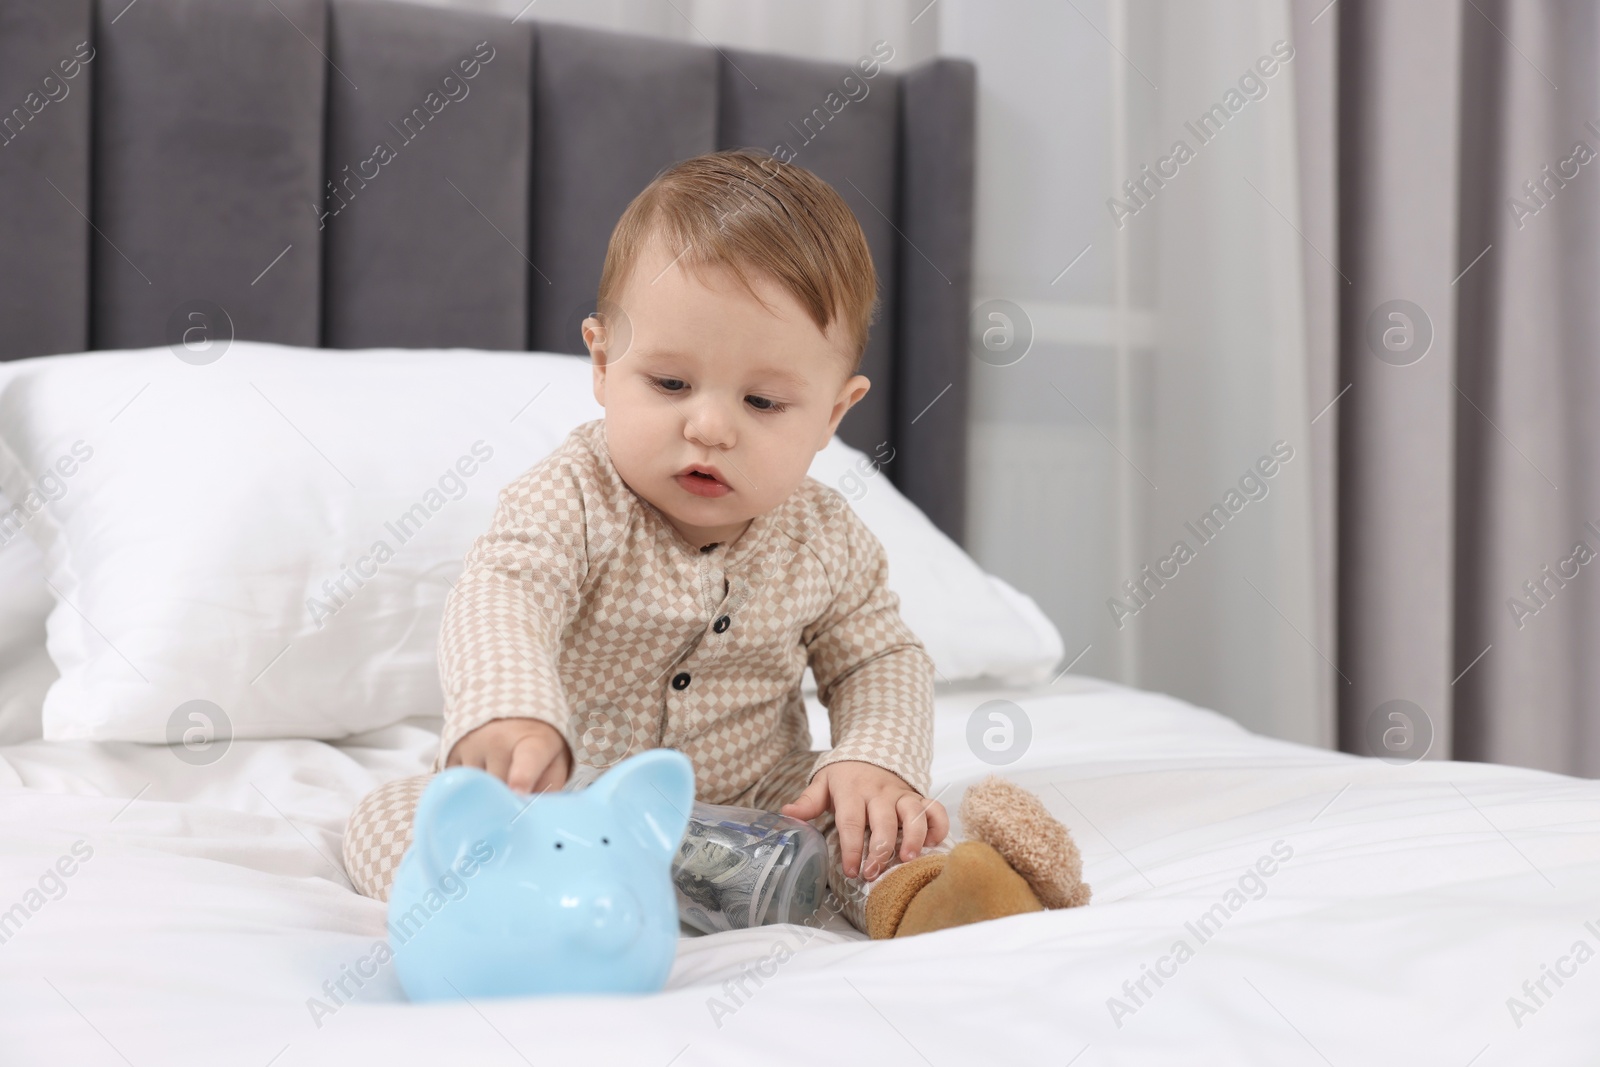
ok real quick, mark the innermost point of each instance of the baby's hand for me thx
(860, 793)
(529, 755)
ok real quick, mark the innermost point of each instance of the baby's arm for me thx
(876, 680)
(504, 708)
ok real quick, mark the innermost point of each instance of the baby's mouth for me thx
(702, 483)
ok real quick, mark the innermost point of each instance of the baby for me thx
(665, 576)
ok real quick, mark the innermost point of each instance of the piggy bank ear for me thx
(462, 809)
(651, 794)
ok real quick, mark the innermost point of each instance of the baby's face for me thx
(695, 374)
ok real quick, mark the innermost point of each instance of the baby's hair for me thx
(748, 211)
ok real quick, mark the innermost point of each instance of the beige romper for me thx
(583, 607)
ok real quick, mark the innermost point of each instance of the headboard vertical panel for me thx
(204, 160)
(833, 120)
(933, 365)
(202, 137)
(611, 110)
(426, 201)
(45, 114)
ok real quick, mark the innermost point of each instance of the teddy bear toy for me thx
(1015, 858)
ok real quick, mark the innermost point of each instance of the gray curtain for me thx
(1451, 168)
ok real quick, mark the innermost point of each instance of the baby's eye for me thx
(668, 385)
(761, 403)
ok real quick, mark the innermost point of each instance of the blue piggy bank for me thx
(508, 895)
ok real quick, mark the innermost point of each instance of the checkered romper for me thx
(583, 607)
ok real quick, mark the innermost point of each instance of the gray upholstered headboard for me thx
(326, 173)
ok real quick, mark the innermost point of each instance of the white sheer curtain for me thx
(1168, 354)
(1224, 396)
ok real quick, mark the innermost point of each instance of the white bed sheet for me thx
(1417, 900)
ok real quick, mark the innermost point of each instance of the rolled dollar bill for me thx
(740, 867)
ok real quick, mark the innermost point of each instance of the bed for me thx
(1254, 901)
(1415, 902)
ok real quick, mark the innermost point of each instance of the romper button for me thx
(721, 624)
(681, 681)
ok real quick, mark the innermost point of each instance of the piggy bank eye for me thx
(558, 844)
(605, 840)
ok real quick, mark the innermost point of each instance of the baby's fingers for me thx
(938, 820)
(885, 828)
(528, 758)
(849, 816)
(496, 759)
(555, 772)
(914, 819)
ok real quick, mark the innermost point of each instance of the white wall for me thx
(842, 30)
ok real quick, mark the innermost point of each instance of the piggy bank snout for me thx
(608, 916)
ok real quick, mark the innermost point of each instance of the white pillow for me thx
(234, 538)
(229, 540)
(973, 624)
(26, 670)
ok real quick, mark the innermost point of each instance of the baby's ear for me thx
(651, 795)
(461, 807)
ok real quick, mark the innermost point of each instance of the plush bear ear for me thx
(651, 795)
(461, 807)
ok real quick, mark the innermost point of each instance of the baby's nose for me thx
(709, 426)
